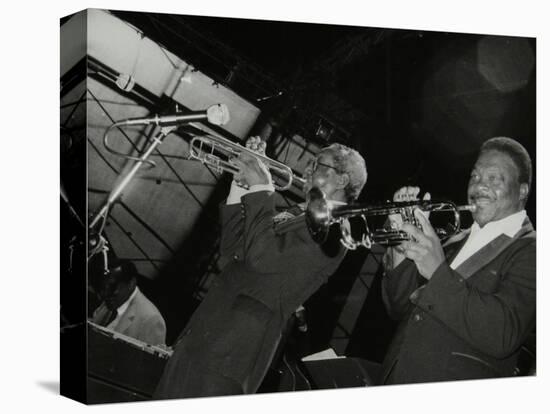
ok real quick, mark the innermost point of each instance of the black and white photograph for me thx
(319, 206)
(258, 208)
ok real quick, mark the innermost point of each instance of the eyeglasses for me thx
(314, 163)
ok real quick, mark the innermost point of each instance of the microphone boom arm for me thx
(117, 190)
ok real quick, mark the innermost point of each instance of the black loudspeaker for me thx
(342, 373)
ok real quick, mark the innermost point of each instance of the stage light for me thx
(324, 131)
(505, 62)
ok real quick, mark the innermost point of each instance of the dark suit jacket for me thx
(267, 272)
(466, 323)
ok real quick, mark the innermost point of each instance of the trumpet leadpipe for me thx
(210, 150)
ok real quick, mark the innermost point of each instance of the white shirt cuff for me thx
(261, 187)
(236, 192)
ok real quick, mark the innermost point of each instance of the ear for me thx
(343, 180)
(132, 283)
(523, 192)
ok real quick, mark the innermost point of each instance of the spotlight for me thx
(324, 131)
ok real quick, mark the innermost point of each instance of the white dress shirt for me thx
(121, 309)
(480, 237)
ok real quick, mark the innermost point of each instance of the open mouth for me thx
(481, 201)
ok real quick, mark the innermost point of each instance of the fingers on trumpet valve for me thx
(255, 143)
(407, 193)
(404, 194)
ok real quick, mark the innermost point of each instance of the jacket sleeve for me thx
(397, 286)
(495, 323)
(232, 242)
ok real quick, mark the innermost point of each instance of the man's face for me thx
(494, 187)
(321, 173)
(114, 291)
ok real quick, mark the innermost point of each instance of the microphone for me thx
(217, 114)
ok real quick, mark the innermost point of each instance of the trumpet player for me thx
(465, 308)
(269, 268)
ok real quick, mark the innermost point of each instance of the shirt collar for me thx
(122, 308)
(509, 225)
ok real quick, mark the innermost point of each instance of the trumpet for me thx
(215, 151)
(320, 215)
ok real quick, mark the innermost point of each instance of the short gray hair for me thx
(349, 161)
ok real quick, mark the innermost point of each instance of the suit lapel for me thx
(453, 245)
(484, 256)
(128, 316)
(491, 250)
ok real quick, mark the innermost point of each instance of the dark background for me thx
(416, 104)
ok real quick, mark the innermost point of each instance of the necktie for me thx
(107, 318)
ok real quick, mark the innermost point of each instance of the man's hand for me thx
(404, 194)
(425, 247)
(256, 144)
(395, 221)
(249, 173)
(251, 170)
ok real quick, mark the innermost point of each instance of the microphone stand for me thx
(104, 211)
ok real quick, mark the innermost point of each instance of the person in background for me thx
(125, 309)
